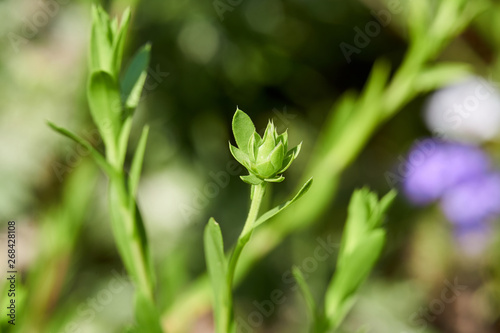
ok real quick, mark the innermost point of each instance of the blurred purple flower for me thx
(435, 166)
(476, 200)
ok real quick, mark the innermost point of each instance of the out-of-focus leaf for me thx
(440, 75)
(146, 314)
(135, 169)
(105, 107)
(119, 40)
(98, 158)
(134, 78)
(217, 267)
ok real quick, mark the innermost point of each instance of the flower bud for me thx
(265, 158)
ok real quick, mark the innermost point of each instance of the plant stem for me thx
(258, 193)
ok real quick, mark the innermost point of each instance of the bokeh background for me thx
(273, 59)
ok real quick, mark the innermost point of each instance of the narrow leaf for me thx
(135, 169)
(105, 106)
(270, 213)
(146, 314)
(119, 40)
(217, 267)
(440, 75)
(134, 78)
(97, 156)
(123, 140)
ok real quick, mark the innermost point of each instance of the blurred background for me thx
(275, 59)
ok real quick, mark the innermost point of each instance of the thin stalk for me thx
(258, 194)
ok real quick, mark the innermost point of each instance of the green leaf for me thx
(243, 129)
(350, 275)
(136, 167)
(100, 51)
(251, 179)
(97, 156)
(146, 314)
(133, 81)
(119, 40)
(440, 75)
(217, 267)
(123, 140)
(272, 212)
(277, 156)
(105, 107)
(290, 157)
(306, 292)
(239, 155)
(361, 246)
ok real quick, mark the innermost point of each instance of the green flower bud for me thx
(265, 158)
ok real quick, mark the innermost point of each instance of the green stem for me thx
(258, 194)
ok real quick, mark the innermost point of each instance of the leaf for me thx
(239, 155)
(306, 292)
(351, 272)
(100, 41)
(251, 179)
(217, 267)
(361, 246)
(133, 80)
(105, 107)
(97, 156)
(270, 213)
(440, 75)
(243, 129)
(123, 140)
(119, 40)
(290, 157)
(136, 167)
(146, 314)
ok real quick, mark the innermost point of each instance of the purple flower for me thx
(434, 166)
(476, 200)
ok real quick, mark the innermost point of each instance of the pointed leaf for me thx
(349, 277)
(123, 140)
(217, 267)
(269, 214)
(132, 82)
(100, 51)
(146, 314)
(135, 169)
(243, 129)
(97, 156)
(290, 157)
(105, 106)
(251, 179)
(119, 40)
(440, 75)
(239, 155)
(277, 155)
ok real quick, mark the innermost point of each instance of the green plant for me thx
(265, 159)
(113, 96)
(362, 242)
(356, 117)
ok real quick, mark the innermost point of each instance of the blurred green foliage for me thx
(274, 59)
